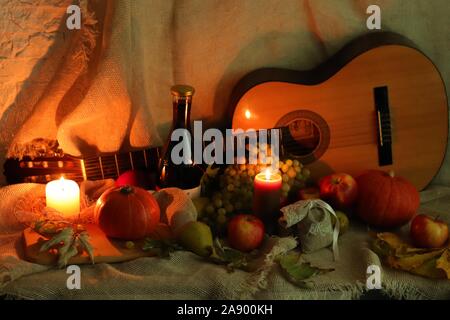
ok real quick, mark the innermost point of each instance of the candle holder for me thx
(266, 198)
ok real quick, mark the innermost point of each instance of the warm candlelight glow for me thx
(64, 196)
(268, 176)
(247, 114)
(267, 173)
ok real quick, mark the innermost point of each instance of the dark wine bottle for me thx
(183, 175)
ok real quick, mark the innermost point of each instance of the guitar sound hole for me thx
(305, 135)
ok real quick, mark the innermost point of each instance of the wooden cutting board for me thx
(105, 249)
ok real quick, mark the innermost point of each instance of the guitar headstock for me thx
(43, 169)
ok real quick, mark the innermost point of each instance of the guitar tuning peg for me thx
(59, 153)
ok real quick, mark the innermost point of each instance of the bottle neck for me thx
(182, 112)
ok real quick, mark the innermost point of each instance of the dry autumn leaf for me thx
(430, 263)
(444, 262)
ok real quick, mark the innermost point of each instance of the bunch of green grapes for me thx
(294, 177)
(234, 194)
(235, 190)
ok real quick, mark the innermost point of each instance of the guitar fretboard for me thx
(112, 166)
(42, 170)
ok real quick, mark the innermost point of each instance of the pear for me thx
(343, 221)
(197, 237)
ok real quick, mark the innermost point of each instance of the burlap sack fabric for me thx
(107, 87)
(314, 229)
(186, 276)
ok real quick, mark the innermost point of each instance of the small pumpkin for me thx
(384, 200)
(127, 213)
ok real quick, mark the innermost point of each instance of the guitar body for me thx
(378, 104)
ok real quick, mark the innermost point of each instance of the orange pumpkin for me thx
(384, 200)
(127, 213)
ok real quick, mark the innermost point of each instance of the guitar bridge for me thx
(384, 126)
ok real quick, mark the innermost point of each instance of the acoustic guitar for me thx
(378, 103)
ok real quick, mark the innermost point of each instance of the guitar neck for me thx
(113, 165)
(106, 166)
(45, 169)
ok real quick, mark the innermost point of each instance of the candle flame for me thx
(248, 114)
(267, 173)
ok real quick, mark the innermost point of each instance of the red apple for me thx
(427, 232)
(245, 232)
(309, 193)
(339, 189)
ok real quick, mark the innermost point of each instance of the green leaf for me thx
(151, 244)
(67, 243)
(163, 248)
(65, 236)
(67, 251)
(84, 241)
(298, 271)
(230, 257)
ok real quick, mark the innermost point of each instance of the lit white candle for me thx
(64, 196)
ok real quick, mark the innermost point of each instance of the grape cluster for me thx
(294, 177)
(234, 190)
(234, 194)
